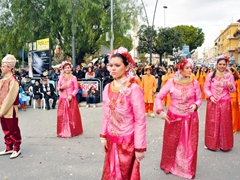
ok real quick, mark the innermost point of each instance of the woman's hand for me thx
(139, 156)
(213, 100)
(193, 107)
(104, 144)
(163, 115)
(70, 98)
(230, 86)
(63, 86)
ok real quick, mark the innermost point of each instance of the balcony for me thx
(230, 36)
(231, 49)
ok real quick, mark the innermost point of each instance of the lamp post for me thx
(150, 42)
(164, 7)
(112, 33)
(73, 39)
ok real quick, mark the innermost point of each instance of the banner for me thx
(85, 85)
(185, 50)
(39, 61)
(43, 44)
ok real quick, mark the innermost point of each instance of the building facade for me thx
(227, 44)
(237, 36)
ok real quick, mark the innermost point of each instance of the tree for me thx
(192, 36)
(25, 21)
(164, 39)
(145, 34)
(142, 58)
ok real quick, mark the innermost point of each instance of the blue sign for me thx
(185, 49)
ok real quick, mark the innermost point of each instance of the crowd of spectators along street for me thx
(46, 87)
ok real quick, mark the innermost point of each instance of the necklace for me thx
(220, 73)
(184, 81)
(120, 85)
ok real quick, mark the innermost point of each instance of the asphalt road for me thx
(45, 156)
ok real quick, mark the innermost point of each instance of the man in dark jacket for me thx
(48, 91)
(78, 73)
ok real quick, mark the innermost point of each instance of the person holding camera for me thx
(92, 96)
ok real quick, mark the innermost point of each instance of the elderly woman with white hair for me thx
(180, 141)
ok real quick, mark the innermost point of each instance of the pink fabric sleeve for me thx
(59, 84)
(198, 94)
(105, 118)
(137, 99)
(233, 83)
(207, 86)
(162, 93)
(75, 86)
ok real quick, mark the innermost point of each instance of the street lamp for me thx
(150, 42)
(73, 39)
(112, 33)
(165, 7)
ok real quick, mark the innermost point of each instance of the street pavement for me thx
(45, 156)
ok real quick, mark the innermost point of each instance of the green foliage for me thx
(163, 40)
(23, 21)
(142, 58)
(192, 36)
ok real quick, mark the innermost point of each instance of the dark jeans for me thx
(79, 98)
(92, 99)
(54, 97)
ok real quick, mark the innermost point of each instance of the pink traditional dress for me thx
(69, 121)
(124, 127)
(218, 126)
(180, 141)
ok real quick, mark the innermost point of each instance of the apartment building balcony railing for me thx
(231, 48)
(230, 36)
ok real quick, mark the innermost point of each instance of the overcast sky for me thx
(210, 15)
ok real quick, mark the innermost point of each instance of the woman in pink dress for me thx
(180, 140)
(217, 88)
(123, 131)
(69, 121)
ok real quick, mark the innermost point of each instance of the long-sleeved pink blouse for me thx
(71, 86)
(182, 96)
(218, 87)
(124, 115)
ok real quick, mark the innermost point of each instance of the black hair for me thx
(105, 61)
(214, 72)
(90, 68)
(124, 60)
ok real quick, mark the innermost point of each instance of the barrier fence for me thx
(85, 85)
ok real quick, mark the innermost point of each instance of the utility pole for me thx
(165, 7)
(73, 38)
(112, 33)
(150, 42)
